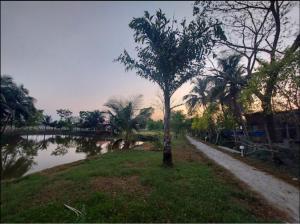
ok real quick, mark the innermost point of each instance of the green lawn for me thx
(130, 186)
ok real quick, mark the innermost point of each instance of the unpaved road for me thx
(279, 193)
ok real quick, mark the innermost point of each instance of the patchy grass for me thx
(132, 186)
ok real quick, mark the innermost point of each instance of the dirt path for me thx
(282, 195)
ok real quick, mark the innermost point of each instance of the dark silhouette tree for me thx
(15, 102)
(64, 114)
(198, 96)
(65, 118)
(47, 120)
(228, 81)
(169, 55)
(125, 117)
(91, 119)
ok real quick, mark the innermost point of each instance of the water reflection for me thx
(22, 155)
(17, 156)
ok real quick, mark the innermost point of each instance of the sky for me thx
(63, 52)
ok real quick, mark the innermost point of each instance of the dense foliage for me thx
(125, 117)
(16, 105)
(92, 119)
(155, 125)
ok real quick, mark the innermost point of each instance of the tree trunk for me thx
(4, 125)
(167, 153)
(269, 118)
(126, 141)
(238, 113)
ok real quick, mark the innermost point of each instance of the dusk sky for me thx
(63, 51)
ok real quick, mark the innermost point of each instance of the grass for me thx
(132, 186)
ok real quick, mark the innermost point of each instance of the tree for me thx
(170, 55)
(125, 117)
(35, 119)
(256, 30)
(54, 124)
(64, 114)
(15, 102)
(65, 118)
(199, 124)
(91, 119)
(288, 83)
(159, 103)
(198, 96)
(47, 120)
(228, 82)
(205, 125)
(223, 87)
(177, 121)
(286, 94)
(155, 125)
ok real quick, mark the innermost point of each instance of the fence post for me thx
(242, 150)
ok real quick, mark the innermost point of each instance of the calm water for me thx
(22, 155)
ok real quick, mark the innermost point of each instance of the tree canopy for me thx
(170, 54)
(125, 116)
(16, 103)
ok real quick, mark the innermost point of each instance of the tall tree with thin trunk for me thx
(170, 54)
(230, 78)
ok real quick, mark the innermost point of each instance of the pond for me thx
(23, 155)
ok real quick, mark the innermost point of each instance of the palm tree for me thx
(198, 96)
(222, 87)
(125, 117)
(170, 55)
(228, 82)
(15, 102)
(47, 120)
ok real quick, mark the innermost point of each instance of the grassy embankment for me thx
(132, 186)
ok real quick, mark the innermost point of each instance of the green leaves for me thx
(178, 122)
(221, 87)
(169, 55)
(198, 95)
(91, 119)
(125, 116)
(64, 113)
(15, 101)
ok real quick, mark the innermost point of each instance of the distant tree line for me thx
(122, 117)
